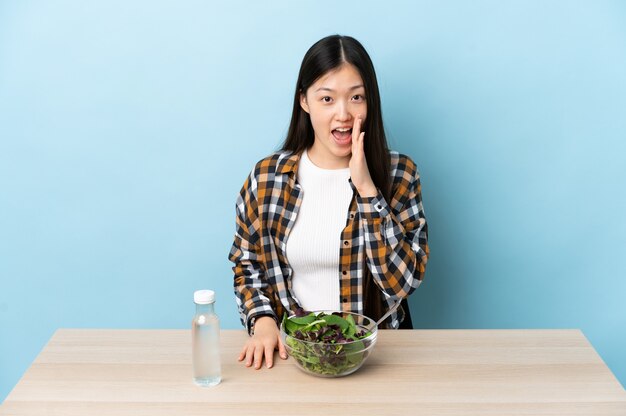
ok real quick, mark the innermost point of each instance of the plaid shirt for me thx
(392, 238)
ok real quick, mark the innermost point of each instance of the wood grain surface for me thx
(419, 372)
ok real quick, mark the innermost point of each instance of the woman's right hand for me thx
(263, 343)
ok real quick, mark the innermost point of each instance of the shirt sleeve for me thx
(396, 235)
(252, 291)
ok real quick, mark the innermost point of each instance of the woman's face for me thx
(334, 102)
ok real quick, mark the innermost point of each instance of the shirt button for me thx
(346, 243)
(344, 300)
(351, 216)
(379, 206)
(345, 272)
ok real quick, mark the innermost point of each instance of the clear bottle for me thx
(205, 334)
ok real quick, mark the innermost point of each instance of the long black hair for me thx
(326, 55)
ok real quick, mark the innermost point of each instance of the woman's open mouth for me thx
(342, 136)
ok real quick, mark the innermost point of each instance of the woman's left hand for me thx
(359, 172)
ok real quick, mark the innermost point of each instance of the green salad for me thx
(325, 344)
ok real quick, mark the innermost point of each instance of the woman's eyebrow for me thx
(331, 90)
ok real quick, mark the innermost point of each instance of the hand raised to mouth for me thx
(359, 172)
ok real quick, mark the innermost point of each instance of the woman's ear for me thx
(303, 102)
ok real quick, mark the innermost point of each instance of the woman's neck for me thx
(327, 161)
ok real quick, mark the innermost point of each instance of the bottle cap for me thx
(202, 297)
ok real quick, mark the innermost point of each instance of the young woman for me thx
(334, 220)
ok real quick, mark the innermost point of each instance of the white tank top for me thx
(314, 242)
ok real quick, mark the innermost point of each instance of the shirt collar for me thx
(288, 163)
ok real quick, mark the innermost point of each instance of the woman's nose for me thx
(342, 112)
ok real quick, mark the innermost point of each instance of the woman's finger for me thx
(242, 354)
(356, 128)
(357, 135)
(258, 356)
(249, 355)
(357, 147)
(269, 356)
(282, 351)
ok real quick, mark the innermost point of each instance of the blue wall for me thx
(127, 130)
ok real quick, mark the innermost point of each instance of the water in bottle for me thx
(205, 332)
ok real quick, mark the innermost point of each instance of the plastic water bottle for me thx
(205, 334)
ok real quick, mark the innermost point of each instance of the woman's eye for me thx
(358, 97)
(326, 99)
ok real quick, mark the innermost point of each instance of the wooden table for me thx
(429, 372)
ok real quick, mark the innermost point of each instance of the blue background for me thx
(126, 131)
